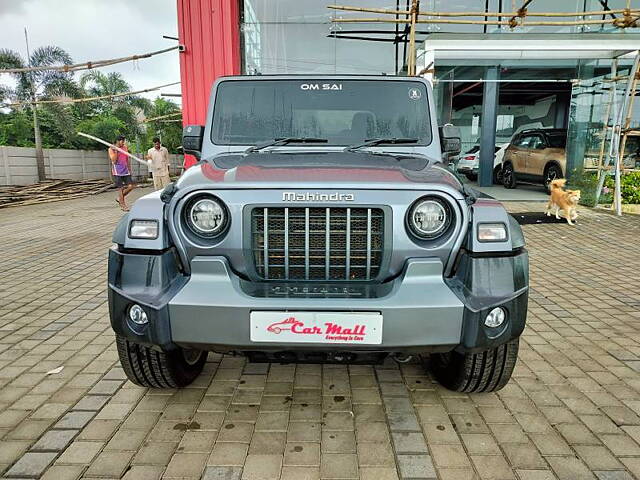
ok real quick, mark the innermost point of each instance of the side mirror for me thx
(450, 139)
(192, 136)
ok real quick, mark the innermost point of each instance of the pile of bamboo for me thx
(51, 191)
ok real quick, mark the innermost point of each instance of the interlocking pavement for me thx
(571, 411)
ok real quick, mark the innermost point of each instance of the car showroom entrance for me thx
(494, 88)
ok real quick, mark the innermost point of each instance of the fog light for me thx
(495, 318)
(138, 315)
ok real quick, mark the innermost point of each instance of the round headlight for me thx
(429, 218)
(206, 217)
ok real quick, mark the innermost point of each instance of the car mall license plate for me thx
(361, 328)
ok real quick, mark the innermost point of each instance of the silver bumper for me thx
(418, 308)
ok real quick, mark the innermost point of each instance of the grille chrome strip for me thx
(266, 242)
(327, 242)
(368, 274)
(286, 244)
(306, 243)
(347, 256)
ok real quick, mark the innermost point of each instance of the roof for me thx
(544, 130)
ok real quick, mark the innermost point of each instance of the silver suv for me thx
(319, 225)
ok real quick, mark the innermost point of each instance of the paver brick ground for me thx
(571, 411)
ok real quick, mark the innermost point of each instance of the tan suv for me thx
(535, 156)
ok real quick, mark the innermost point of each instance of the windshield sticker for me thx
(415, 94)
(321, 86)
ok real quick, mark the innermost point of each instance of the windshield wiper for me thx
(379, 141)
(284, 141)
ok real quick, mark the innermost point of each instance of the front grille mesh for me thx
(330, 244)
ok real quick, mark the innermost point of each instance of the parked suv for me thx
(469, 163)
(319, 226)
(535, 156)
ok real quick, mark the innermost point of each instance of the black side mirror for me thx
(450, 139)
(192, 136)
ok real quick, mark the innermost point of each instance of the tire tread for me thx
(147, 367)
(486, 371)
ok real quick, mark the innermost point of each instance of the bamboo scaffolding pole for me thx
(160, 117)
(618, 22)
(411, 61)
(485, 14)
(88, 65)
(605, 129)
(88, 99)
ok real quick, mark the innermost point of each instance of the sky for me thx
(98, 30)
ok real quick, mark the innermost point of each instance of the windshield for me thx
(345, 112)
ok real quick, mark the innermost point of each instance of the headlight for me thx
(206, 216)
(429, 218)
(143, 229)
(492, 232)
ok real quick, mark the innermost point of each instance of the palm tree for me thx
(38, 85)
(125, 108)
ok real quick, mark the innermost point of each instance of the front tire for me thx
(147, 367)
(509, 176)
(486, 371)
(497, 175)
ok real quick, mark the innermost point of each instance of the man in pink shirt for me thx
(121, 172)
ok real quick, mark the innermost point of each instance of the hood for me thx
(330, 169)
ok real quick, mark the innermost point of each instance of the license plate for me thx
(361, 328)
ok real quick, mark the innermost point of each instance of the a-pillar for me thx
(490, 100)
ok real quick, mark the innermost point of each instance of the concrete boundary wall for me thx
(18, 165)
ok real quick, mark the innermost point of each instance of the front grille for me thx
(330, 244)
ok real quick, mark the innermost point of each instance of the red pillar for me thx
(210, 33)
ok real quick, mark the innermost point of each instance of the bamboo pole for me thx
(621, 23)
(88, 65)
(160, 117)
(411, 63)
(605, 128)
(89, 99)
(484, 14)
(99, 140)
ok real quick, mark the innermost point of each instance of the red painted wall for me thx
(210, 33)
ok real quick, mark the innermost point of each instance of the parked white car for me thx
(469, 163)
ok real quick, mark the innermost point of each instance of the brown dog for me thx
(565, 200)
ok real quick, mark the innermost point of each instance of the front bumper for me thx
(422, 311)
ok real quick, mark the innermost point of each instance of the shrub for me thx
(629, 186)
(587, 183)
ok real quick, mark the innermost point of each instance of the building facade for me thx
(491, 80)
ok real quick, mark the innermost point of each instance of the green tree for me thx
(37, 85)
(126, 109)
(168, 129)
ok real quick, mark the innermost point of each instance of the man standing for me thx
(158, 157)
(121, 172)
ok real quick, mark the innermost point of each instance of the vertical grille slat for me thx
(306, 244)
(347, 256)
(266, 242)
(368, 275)
(317, 244)
(327, 242)
(286, 244)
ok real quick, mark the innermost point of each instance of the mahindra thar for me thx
(319, 225)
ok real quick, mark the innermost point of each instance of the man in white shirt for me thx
(158, 157)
